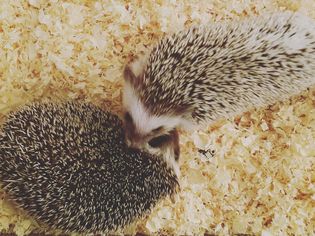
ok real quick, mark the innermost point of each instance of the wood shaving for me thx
(257, 178)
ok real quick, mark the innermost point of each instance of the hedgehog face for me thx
(140, 125)
(142, 128)
(156, 134)
(155, 138)
(158, 141)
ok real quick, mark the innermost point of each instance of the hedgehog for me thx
(198, 75)
(68, 166)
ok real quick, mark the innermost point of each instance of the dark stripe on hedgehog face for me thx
(128, 117)
(159, 141)
(169, 139)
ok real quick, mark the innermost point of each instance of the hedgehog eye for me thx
(159, 141)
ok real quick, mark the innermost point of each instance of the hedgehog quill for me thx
(68, 166)
(210, 72)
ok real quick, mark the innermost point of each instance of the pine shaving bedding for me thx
(250, 174)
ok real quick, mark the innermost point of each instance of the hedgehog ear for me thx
(129, 75)
(135, 69)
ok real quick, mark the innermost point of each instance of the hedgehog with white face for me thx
(209, 72)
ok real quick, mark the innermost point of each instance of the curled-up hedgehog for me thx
(68, 166)
(204, 73)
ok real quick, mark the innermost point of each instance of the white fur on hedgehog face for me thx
(143, 121)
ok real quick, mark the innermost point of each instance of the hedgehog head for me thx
(144, 129)
(142, 123)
